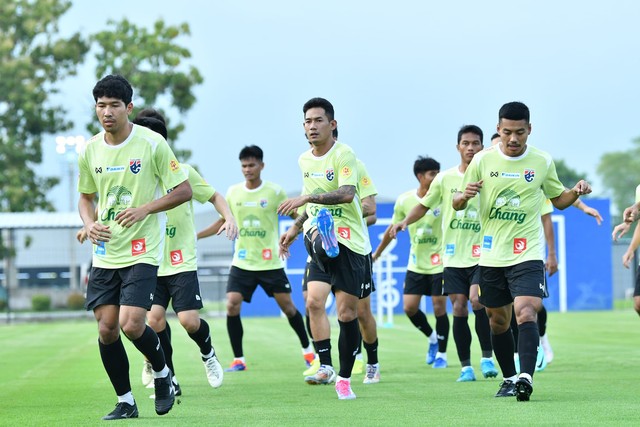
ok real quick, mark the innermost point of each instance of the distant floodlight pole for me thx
(70, 146)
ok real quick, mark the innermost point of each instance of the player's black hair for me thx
(153, 124)
(319, 103)
(495, 135)
(113, 86)
(251, 151)
(151, 112)
(471, 129)
(334, 133)
(514, 111)
(424, 164)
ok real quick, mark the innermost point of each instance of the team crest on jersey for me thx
(329, 174)
(138, 247)
(519, 245)
(135, 165)
(263, 203)
(344, 232)
(176, 257)
(529, 174)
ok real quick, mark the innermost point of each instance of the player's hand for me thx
(594, 213)
(620, 230)
(582, 187)
(81, 235)
(472, 190)
(130, 216)
(98, 233)
(551, 265)
(395, 228)
(627, 258)
(290, 206)
(285, 242)
(630, 214)
(230, 228)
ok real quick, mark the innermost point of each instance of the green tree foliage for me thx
(568, 176)
(154, 64)
(619, 172)
(32, 61)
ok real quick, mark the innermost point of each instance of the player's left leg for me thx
(199, 331)
(369, 332)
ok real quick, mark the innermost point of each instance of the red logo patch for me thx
(267, 254)
(344, 232)
(519, 245)
(475, 251)
(435, 259)
(138, 247)
(176, 257)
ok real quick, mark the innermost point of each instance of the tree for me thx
(32, 61)
(154, 65)
(619, 172)
(568, 176)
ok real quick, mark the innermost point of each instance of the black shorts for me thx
(423, 284)
(133, 285)
(315, 274)
(636, 292)
(182, 289)
(350, 271)
(458, 280)
(246, 282)
(500, 285)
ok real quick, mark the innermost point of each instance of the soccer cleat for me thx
(523, 389)
(373, 374)
(507, 389)
(440, 363)
(147, 373)
(236, 365)
(165, 394)
(214, 371)
(122, 410)
(309, 358)
(358, 367)
(324, 375)
(548, 351)
(313, 368)
(327, 233)
(488, 368)
(541, 361)
(466, 375)
(176, 387)
(431, 353)
(343, 388)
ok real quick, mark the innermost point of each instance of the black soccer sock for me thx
(324, 352)
(442, 330)
(307, 322)
(148, 344)
(529, 341)
(462, 338)
(347, 345)
(297, 324)
(514, 330)
(372, 352)
(542, 321)
(419, 320)
(202, 337)
(235, 331)
(503, 348)
(483, 331)
(116, 363)
(167, 328)
(165, 342)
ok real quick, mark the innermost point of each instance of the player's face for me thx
(495, 141)
(318, 127)
(251, 168)
(113, 114)
(468, 146)
(426, 178)
(514, 134)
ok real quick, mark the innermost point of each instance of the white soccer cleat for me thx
(214, 370)
(373, 374)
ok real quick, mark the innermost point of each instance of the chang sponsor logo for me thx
(118, 198)
(252, 227)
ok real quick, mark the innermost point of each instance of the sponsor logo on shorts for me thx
(267, 255)
(344, 232)
(519, 245)
(436, 259)
(475, 251)
(138, 247)
(176, 257)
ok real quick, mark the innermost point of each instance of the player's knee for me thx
(410, 309)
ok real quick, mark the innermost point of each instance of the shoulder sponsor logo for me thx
(174, 165)
(329, 174)
(114, 169)
(346, 171)
(138, 247)
(267, 254)
(510, 175)
(135, 165)
(176, 257)
(344, 232)
(519, 245)
(529, 174)
(365, 181)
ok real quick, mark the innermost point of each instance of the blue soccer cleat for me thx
(431, 353)
(440, 363)
(467, 375)
(327, 233)
(488, 368)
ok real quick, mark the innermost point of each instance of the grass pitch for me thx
(51, 374)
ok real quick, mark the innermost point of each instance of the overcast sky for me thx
(403, 77)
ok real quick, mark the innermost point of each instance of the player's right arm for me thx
(631, 250)
(552, 260)
(386, 239)
(417, 212)
(96, 232)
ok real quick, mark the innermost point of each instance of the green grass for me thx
(51, 374)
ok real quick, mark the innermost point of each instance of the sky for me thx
(403, 78)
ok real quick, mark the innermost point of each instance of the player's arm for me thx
(386, 239)
(569, 197)
(178, 195)
(417, 212)
(95, 231)
(552, 260)
(633, 245)
(369, 210)
(229, 222)
(343, 194)
(460, 199)
(588, 210)
(290, 235)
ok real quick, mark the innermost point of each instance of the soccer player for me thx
(177, 275)
(461, 241)
(619, 231)
(330, 178)
(424, 271)
(254, 204)
(128, 165)
(507, 179)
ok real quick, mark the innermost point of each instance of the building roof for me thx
(31, 220)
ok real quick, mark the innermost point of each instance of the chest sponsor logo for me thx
(344, 232)
(436, 259)
(329, 174)
(115, 169)
(135, 165)
(251, 227)
(510, 175)
(487, 243)
(519, 245)
(267, 254)
(316, 174)
(250, 204)
(475, 251)
(176, 257)
(138, 247)
(529, 174)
